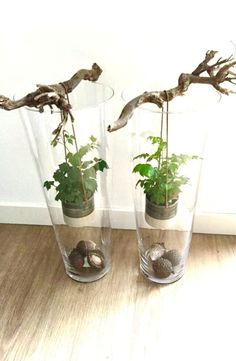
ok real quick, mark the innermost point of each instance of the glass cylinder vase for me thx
(167, 148)
(74, 171)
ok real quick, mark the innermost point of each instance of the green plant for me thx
(161, 180)
(75, 179)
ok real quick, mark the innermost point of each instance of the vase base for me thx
(159, 275)
(163, 281)
(87, 279)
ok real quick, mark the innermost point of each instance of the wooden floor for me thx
(46, 316)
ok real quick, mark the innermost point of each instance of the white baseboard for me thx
(215, 223)
(37, 214)
(24, 213)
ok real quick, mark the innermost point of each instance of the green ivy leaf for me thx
(101, 165)
(143, 155)
(74, 159)
(48, 184)
(85, 164)
(145, 170)
(93, 139)
(90, 173)
(70, 141)
(162, 178)
(75, 178)
(91, 185)
(64, 167)
(84, 150)
(154, 140)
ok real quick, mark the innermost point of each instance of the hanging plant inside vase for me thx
(163, 250)
(69, 167)
(75, 179)
(161, 179)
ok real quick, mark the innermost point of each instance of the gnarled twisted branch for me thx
(216, 74)
(54, 94)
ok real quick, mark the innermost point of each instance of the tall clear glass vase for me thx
(167, 149)
(74, 171)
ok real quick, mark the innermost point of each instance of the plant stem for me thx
(162, 116)
(73, 131)
(64, 144)
(167, 143)
(161, 135)
(77, 150)
(83, 187)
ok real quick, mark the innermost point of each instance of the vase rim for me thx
(107, 97)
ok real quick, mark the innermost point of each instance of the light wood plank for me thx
(44, 315)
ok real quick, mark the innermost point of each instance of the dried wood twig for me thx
(54, 94)
(216, 74)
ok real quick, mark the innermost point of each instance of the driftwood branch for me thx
(216, 74)
(55, 94)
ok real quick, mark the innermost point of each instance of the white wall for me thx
(132, 42)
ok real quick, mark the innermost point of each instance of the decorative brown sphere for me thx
(76, 260)
(84, 246)
(162, 268)
(96, 259)
(174, 256)
(156, 251)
